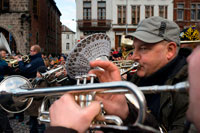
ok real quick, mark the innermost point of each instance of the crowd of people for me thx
(162, 61)
(30, 68)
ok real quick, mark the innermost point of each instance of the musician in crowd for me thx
(45, 59)
(29, 70)
(156, 44)
(5, 124)
(62, 60)
(62, 118)
(4, 68)
(3, 54)
(32, 111)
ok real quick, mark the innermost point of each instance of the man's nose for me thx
(136, 55)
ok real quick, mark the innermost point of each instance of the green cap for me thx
(156, 29)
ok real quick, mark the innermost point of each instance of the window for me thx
(121, 14)
(180, 11)
(163, 11)
(67, 46)
(37, 38)
(87, 10)
(101, 10)
(195, 12)
(67, 36)
(135, 14)
(149, 11)
(4, 5)
(36, 8)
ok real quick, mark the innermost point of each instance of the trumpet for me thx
(16, 93)
(51, 75)
(123, 64)
(14, 62)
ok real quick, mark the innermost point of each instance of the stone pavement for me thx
(20, 127)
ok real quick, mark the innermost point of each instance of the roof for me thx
(66, 29)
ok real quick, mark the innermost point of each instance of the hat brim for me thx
(147, 37)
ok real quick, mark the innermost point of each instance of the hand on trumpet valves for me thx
(113, 104)
(111, 72)
(18, 58)
(65, 112)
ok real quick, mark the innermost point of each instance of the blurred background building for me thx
(186, 12)
(68, 39)
(28, 22)
(117, 17)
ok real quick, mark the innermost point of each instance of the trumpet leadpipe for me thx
(179, 87)
(52, 71)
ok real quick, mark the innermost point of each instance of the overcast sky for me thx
(68, 10)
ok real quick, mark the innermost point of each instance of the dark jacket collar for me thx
(35, 56)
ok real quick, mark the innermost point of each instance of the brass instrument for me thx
(14, 62)
(195, 41)
(4, 44)
(21, 92)
(133, 67)
(123, 64)
(126, 46)
(18, 91)
(51, 75)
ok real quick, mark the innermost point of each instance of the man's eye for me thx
(143, 48)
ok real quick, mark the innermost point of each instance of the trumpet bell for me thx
(8, 87)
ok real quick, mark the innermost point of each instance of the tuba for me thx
(126, 46)
(4, 44)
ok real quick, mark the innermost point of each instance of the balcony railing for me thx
(97, 24)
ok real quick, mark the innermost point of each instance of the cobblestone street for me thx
(20, 127)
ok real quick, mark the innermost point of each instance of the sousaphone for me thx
(4, 44)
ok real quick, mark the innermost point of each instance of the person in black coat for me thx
(29, 70)
(5, 124)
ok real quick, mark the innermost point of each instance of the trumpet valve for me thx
(85, 79)
(92, 76)
(78, 78)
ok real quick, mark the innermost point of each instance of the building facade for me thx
(68, 39)
(28, 22)
(117, 17)
(186, 12)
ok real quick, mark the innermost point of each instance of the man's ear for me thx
(171, 50)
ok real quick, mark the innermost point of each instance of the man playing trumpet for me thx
(156, 44)
(29, 70)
